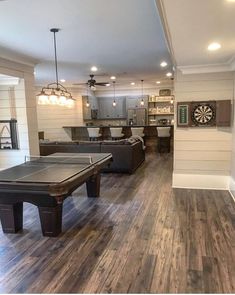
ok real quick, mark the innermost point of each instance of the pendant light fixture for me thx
(142, 93)
(87, 99)
(114, 95)
(55, 93)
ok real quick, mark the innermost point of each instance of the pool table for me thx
(46, 182)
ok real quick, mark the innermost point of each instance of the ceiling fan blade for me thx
(102, 83)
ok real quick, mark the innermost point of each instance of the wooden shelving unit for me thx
(160, 108)
(8, 134)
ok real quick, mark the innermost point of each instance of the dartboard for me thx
(203, 114)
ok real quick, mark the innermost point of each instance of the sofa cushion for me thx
(95, 142)
(114, 142)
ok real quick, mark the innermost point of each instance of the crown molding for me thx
(209, 68)
(162, 13)
(9, 80)
(14, 56)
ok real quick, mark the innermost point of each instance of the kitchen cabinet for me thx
(106, 110)
(89, 112)
(133, 102)
(93, 102)
(86, 110)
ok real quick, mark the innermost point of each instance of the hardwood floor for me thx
(140, 236)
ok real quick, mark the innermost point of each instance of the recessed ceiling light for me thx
(94, 69)
(62, 80)
(158, 82)
(108, 84)
(163, 64)
(169, 74)
(132, 83)
(112, 77)
(214, 46)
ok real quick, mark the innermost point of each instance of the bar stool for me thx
(137, 131)
(116, 133)
(164, 139)
(94, 133)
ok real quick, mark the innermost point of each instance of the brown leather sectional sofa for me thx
(127, 154)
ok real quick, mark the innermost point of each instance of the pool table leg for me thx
(11, 216)
(93, 186)
(51, 220)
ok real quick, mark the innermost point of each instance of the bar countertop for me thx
(81, 133)
(118, 126)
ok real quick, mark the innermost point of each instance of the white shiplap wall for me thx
(232, 178)
(24, 111)
(17, 95)
(51, 119)
(202, 156)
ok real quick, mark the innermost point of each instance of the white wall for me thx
(202, 156)
(52, 118)
(24, 111)
(232, 179)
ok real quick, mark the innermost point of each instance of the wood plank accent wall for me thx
(204, 151)
(51, 119)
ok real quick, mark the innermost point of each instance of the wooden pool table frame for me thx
(47, 197)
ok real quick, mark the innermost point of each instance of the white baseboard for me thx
(232, 188)
(196, 181)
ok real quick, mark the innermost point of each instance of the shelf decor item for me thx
(164, 92)
(55, 93)
(8, 134)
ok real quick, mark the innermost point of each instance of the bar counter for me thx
(81, 133)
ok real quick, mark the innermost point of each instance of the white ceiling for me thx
(194, 24)
(123, 38)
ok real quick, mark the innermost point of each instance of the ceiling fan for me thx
(92, 83)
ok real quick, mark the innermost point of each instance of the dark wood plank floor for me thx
(139, 237)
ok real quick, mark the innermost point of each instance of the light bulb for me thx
(114, 103)
(53, 98)
(142, 102)
(214, 46)
(43, 99)
(94, 69)
(70, 103)
(87, 104)
(62, 100)
(163, 64)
